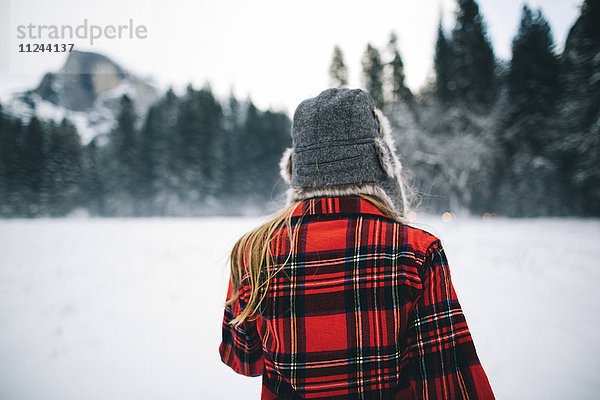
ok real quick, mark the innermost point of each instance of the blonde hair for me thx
(251, 258)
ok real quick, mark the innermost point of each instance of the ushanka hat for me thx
(342, 146)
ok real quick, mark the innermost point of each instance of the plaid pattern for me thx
(364, 308)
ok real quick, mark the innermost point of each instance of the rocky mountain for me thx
(86, 90)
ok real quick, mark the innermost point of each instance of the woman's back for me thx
(335, 298)
(363, 307)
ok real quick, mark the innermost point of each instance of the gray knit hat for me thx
(342, 146)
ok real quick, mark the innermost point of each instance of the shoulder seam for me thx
(433, 246)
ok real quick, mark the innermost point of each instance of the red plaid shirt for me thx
(364, 308)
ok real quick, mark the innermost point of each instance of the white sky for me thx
(277, 52)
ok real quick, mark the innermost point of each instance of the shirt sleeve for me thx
(241, 346)
(440, 357)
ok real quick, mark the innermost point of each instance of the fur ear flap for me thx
(385, 128)
(285, 166)
(385, 146)
(385, 159)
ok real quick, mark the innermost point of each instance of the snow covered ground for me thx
(132, 308)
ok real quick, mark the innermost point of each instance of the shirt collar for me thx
(336, 205)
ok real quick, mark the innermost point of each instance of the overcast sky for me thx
(277, 52)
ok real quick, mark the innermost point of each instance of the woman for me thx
(336, 297)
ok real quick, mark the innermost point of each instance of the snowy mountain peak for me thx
(80, 81)
(86, 90)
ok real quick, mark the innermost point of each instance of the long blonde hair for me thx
(251, 258)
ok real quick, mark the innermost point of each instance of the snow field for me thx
(132, 308)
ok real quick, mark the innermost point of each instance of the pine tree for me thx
(150, 157)
(125, 167)
(211, 132)
(373, 75)
(338, 72)
(399, 90)
(32, 168)
(472, 78)
(276, 128)
(580, 146)
(96, 178)
(200, 141)
(157, 178)
(64, 169)
(233, 151)
(442, 67)
(529, 129)
(13, 156)
(251, 145)
(264, 137)
(533, 80)
(10, 158)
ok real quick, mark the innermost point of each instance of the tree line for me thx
(518, 137)
(189, 155)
